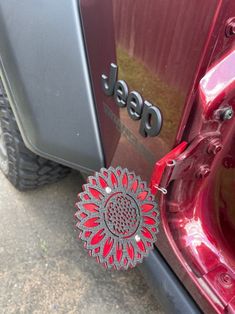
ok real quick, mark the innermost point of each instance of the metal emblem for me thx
(149, 115)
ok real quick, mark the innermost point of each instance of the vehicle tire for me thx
(24, 169)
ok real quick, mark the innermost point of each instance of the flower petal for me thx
(87, 234)
(108, 246)
(92, 222)
(97, 194)
(125, 180)
(86, 196)
(130, 251)
(142, 196)
(91, 207)
(149, 220)
(83, 215)
(103, 183)
(141, 245)
(119, 252)
(97, 237)
(147, 207)
(97, 249)
(146, 233)
(134, 185)
(111, 259)
(113, 179)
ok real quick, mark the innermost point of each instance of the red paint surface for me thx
(162, 34)
(217, 88)
(199, 214)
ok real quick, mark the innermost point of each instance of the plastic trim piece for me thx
(48, 86)
(166, 286)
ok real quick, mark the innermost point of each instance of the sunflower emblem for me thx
(118, 218)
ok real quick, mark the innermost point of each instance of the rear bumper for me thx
(166, 286)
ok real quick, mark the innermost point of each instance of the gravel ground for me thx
(44, 268)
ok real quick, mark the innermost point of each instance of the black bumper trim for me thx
(166, 286)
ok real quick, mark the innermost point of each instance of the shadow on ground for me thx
(44, 268)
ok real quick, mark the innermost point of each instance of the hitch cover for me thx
(118, 217)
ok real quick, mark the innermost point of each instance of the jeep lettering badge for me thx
(138, 109)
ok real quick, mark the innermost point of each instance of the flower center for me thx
(122, 215)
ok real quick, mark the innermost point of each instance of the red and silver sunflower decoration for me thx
(118, 218)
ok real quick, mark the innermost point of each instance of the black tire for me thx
(24, 169)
